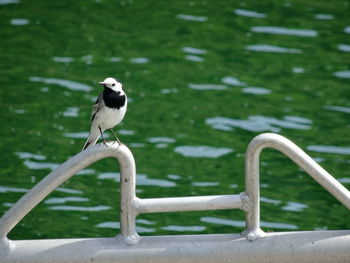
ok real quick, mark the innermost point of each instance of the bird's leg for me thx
(103, 140)
(115, 136)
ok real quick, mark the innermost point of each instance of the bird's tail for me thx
(92, 139)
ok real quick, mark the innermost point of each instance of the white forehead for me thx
(110, 81)
(113, 84)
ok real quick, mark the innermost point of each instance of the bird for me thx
(108, 111)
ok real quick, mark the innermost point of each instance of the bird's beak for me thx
(102, 83)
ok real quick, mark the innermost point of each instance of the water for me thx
(203, 79)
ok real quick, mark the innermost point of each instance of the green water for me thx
(197, 73)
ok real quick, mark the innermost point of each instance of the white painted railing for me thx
(130, 247)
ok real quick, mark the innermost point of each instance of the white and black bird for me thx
(108, 111)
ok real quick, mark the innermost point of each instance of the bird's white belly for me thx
(108, 118)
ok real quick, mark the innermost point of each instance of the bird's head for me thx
(112, 83)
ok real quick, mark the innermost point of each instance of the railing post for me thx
(252, 185)
(299, 157)
(128, 201)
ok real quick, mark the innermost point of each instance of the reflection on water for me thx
(259, 123)
(79, 135)
(6, 2)
(194, 58)
(329, 149)
(269, 200)
(298, 70)
(63, 59)
(342, 74)
(27, 155)
(294, 206)
(202, 151)
(139, 60)
(137, 145)
(69, 84)
(344, 180)
(284, 31)
(347, 29)
(205, 184)
(256, 90)
(144, 221)
(276, 225)
(207, 86)
(222, 221)
(142, 229)
(88, 59)
(233, 81)
(324, 16)
(141, 180)
(173, 176)
(86, 171)
(126, 132)
(161, 142)
(19, 21)
(115, 59)
(343, 47)
(71, 112)
(192, 18)
(40, 165)
(194, 54)
(116, 225)
(168, 91)
(338, 108)
(63, 200)
(17, 111)
(233, 185)
(272, 48)
(68, 190)
(194, 51)
(161, 139)
(7, 189)
(249, 13)
(80, 208)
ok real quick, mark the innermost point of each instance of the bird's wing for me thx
(97, 106)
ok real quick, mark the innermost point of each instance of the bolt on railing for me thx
(131, 206)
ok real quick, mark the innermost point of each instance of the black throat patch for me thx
(113, 99)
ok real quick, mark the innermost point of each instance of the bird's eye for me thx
(113, 84)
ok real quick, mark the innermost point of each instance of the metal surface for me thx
(67, 170)
(290, 247)
(282, 144)
(195, 203)
(128, 246)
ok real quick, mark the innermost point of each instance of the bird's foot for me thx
(118, 142)
(105, 142)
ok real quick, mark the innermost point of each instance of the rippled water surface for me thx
(203, 79)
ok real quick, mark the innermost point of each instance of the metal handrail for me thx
(131, 206)
(61, 174)
(304, 161)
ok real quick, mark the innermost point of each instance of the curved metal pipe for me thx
(66, 171)
(282, 144)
